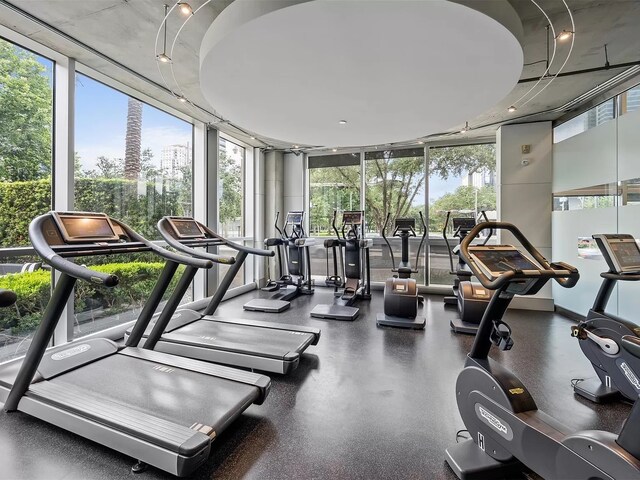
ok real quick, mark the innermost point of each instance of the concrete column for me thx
(293, 185)
(524, 192)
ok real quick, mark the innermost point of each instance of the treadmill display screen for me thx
(78, 228)
(352, 218)
(295, 218)
(627, 254)
(503, 260)
(186, 228)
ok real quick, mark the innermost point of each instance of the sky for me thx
(101, 124)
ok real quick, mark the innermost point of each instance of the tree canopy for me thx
(25, 115)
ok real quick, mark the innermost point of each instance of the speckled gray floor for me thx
(366, 403)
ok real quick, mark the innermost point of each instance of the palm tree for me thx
(133, 140)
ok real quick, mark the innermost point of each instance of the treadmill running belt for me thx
(251, 340)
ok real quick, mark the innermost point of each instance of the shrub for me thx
(137, 280)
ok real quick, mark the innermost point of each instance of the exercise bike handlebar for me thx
(566, 275)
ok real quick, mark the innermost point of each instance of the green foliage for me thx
(26, 110)
(21, 202)
(467, 159)
(137, 280)
(465, 197)
(230, 181)
(330, 189)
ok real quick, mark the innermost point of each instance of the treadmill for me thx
(160, 409)
(265, 346)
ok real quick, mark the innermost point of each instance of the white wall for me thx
(293, 190)
(524, 192)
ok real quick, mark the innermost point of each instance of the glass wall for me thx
(462, 181)
(133, 162)
(231, 214)
(591, 118)
(395, 187)
(26, 127)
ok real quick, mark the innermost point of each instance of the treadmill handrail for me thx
(178, 245)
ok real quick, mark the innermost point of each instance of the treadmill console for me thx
(294, 218)
(405, 223)
(621, 252)
(185, 228)
(353, 217)
(498, 259)
(83, 227)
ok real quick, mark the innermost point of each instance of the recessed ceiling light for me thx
(564, 35)
(342, 122)
(420, 142)
(252, 138)
(296, 146)
(182, 98)
(185, 8)
(511, 109)
(334, 149)
(164, 58)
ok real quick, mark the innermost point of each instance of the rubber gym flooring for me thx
(365, 403)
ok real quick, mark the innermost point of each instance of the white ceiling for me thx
(125, 30)
(395, 70)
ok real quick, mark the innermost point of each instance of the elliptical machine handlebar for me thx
(566, 275)
(384, 228)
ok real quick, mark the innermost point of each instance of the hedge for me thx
(137, 279)
(139, 204)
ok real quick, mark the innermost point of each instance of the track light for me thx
(185, 8)
(465, 129)
(342, 122)
(420, 142)
(252, 138)
(296, 146)
(164, 58)
(182, 98)
(564, 35)
(334, 149)
(511, 109)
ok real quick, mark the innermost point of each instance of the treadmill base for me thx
(417, 323)
(459, 326)
(335, 312)
(266, 305)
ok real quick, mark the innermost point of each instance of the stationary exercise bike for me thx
(293, 246)
(401, 297)
(601, 333)
(507, 429)
(470, 298)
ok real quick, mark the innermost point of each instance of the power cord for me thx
(460, 435)
(576, 381)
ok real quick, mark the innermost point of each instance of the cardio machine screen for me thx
(352, 218)
(186, 228)
(463, 223)
(627, 254)
(75, 228)
(295, 218)
(405, 223)
(503, 260)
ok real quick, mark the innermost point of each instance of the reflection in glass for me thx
(597, 196)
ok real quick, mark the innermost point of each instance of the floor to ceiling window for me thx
(462, 180)
(26, 119)
(133, 162)
(395, 187)
(231, 193)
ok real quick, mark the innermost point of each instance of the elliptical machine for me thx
(401, 297)
(351, 244)
(601, 334)
(471, 298)
(294, 248)
(507, 429)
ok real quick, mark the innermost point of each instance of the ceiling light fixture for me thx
(185, 8)
(564, 35)
(342, 122)
(182, 98)
(420, 142)
(252, 138)
(334, 149)
(511, 109)
(296, 146)
(466, 128)
(163, 57)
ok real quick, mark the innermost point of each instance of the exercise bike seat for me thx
(631, 345)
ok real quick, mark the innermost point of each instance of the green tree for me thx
(462, 160)
(25, 115)
(464, 198)
(230, 184)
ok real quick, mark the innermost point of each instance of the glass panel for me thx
(597, 196)
(239, 279)
(630, 100)
(334, 183)
(583, 122)
(461, 180)
(395, 185)
(133, 162)
(231, 172)
(26, 119)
